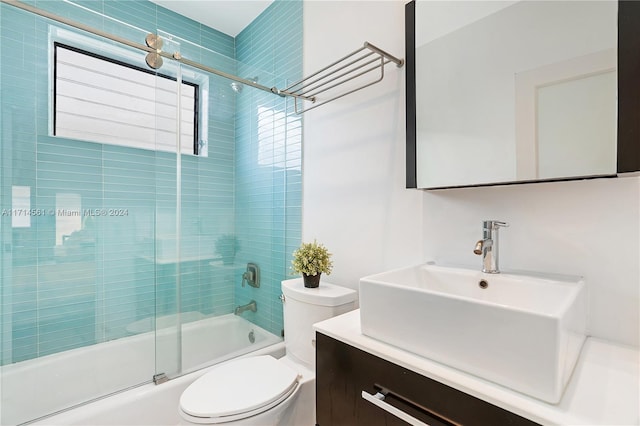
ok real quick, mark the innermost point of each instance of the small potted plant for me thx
(311, 260)
(227, 245)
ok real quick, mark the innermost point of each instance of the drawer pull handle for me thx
(378, 400)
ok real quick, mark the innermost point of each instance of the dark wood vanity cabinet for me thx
(343, 372)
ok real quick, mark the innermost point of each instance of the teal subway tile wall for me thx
(268, 166)
(70, 280)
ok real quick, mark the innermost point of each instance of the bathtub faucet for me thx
(251, 306)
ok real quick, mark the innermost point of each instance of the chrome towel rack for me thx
(347, 75)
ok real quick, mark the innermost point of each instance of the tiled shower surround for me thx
(101, 280)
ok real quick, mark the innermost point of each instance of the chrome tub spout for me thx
(251, 306)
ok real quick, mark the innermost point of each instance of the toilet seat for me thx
(238, 389)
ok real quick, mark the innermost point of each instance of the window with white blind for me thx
(108, 101)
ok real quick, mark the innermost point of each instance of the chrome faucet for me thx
(251, 306)
(488, 246)
(251, 276)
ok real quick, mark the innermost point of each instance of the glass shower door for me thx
(227, 155)
(123, 248)
(196, 242)
(168, 247)
(79, 218)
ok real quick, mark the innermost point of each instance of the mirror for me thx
(511, 91)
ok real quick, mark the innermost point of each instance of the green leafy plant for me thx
(312, 259)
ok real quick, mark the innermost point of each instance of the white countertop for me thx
(604, 388)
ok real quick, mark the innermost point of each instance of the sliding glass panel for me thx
(213, 256)
(232, 213)
(78, 214)
(209, 271)
(240, 197)
(166, 261)
(134, 198)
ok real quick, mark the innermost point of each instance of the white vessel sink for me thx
(524, 332)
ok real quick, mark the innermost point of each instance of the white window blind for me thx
(104, 101)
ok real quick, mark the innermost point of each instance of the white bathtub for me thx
(35, 388)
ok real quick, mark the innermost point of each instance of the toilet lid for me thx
(240, 386)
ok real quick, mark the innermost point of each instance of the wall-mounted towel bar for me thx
(343, 77)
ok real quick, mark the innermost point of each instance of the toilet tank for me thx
(304, 307)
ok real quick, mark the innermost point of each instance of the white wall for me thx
(355, 201)
(354, 148)
(589, 228)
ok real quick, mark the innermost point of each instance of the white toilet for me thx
(262, 390)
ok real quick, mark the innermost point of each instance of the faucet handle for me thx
(494, 224)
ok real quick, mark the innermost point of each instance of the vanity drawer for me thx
(343, 372)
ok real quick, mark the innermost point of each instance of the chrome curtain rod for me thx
(174, 56)
(303, 90)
